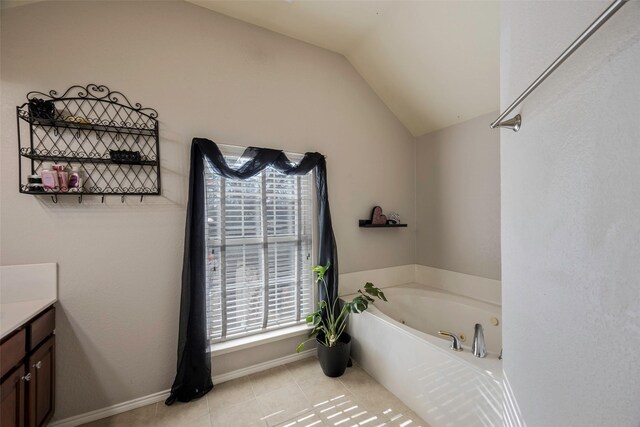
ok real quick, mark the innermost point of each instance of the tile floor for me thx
(293, 395)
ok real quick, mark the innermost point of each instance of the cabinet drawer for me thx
(12, 352)
(42, 327)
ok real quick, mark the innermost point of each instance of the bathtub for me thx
(397, 343)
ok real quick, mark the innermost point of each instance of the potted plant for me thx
(329, 322)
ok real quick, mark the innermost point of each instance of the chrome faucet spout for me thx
(455, 340)
(478, 347)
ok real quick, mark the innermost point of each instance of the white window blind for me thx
(259, 246)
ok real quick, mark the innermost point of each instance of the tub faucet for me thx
(478, 342)
(455, 340)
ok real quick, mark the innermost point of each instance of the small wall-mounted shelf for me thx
(111, 141)
(366, 223)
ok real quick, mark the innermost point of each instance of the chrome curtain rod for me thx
(515, 122)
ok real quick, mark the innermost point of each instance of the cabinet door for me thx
(41, 391)
(12, 392)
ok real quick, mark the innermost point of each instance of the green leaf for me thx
(367, 297)
(310, 318)
(300, 347)
(373, 291)
(320, 270)
(358, 305)
(376, 292)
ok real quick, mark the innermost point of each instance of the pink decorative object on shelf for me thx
(377, 217)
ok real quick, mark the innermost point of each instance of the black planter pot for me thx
(334, 360)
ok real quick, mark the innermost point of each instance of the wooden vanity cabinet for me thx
(28, 373)
(12, 390)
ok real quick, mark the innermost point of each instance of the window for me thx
(259, 248)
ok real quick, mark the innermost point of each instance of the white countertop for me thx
(25, 291)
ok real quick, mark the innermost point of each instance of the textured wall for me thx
(207, 75)
(458, 198)
(571, 216)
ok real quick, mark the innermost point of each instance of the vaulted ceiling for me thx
(433, 63)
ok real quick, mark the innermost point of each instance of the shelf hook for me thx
(80, 198)
(103, 198)
(54, 198)
(122, 198)
(141, 196)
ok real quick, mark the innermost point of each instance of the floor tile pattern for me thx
(294, 395)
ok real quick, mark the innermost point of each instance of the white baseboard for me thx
(217, 379)
(111, 410)
(162, 395)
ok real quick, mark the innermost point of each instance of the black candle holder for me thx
(125, 157)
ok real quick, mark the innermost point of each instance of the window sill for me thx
(230, 346)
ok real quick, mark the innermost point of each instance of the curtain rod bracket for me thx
(513, 123)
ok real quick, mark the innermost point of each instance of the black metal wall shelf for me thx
(366, 223)
(82, 128)
(93, 125)
(75, 159)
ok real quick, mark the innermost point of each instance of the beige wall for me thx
(210, 76)
(458, 198)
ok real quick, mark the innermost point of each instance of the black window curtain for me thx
(193, 377)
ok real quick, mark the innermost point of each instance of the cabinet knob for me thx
(38, 365)
(26, 377)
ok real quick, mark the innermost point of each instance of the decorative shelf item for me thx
(111, 143)
(378, 220)
(365, 223)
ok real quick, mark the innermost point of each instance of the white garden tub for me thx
(397, 342)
